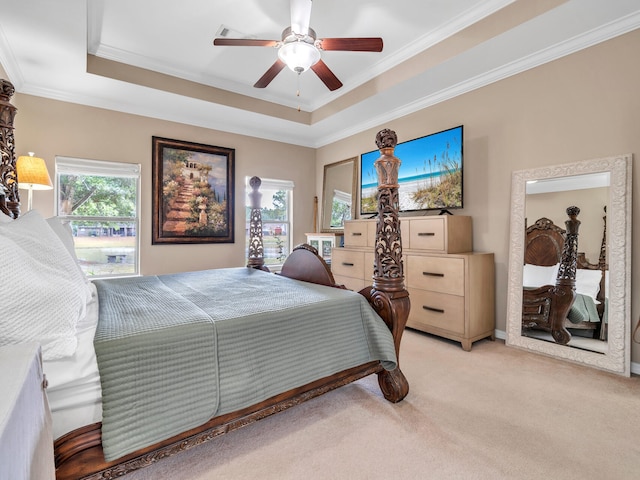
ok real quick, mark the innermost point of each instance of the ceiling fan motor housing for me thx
(299, 52)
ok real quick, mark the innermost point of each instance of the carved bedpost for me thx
(602, 259)
(256, 247)
(567, 269)
(388, 295)
(9, 196)
(565, 289)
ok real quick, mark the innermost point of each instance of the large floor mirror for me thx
(338, 195)
(600, 319)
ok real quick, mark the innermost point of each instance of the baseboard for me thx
(635, 367)
(501, 334)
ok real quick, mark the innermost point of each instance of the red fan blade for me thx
(244, 42)
(270, 74)
(352, 44)
(326, 75)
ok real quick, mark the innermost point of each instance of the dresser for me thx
(26, 436)
(451, 287)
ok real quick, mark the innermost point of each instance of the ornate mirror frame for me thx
(332, 180)
(617, 357)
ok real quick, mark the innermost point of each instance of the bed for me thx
(562, 290)
(265, 343)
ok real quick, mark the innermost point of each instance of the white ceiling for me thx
(433, 50)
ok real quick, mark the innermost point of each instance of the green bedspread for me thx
(175, 350)
(583, 310)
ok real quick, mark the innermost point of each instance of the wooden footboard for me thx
(79, 454)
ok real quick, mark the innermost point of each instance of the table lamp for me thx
(32, 175)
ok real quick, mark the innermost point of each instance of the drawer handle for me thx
(356, 234)
(432, 274)
(347, 264)
(426, 234)
(431, 309)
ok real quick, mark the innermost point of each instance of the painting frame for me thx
(192, 192)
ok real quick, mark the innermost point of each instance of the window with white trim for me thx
(277, 219)
(341, 208)
(101, 202)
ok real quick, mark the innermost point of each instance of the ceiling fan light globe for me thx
(299, 56)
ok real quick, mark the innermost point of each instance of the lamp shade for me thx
(32, 173)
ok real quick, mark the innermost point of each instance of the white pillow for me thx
(62, 229)
(43, 293)
(5, 218)
(535, 276)
(588, 282)
(64, 233)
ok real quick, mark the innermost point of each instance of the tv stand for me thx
(444, 211)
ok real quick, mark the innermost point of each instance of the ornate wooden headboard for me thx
(543, 243)
(9, 197)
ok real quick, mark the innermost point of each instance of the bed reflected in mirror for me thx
(338, 188)
(597, 316)
(585, 324)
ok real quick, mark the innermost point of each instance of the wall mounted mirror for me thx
(609, 185)
(338, 189)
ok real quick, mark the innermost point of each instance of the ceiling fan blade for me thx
(270, 74)
(363, 44)
(244, 42)
(300, 16)
(326, 75)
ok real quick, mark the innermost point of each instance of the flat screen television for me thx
(430, 175)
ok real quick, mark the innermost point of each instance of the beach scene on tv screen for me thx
(430, 175)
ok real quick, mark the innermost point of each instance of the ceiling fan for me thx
(300, 49)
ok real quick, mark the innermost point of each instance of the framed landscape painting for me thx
(192, 192)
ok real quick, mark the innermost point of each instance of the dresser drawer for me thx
(427, 234)
(430, 309)
(355, 234)
(438, 274)
(440, 234)
(347, 263)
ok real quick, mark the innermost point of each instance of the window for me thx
(101, 202)
(341, 208)
(277, 217)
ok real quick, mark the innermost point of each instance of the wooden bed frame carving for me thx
(9, 196)
(256, 246)
(547, 307)
(78, 454)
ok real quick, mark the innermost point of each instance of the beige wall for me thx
(50, 128)
(580, 107)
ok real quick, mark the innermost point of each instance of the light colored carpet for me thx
(495, 412)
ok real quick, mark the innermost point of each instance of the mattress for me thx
(74, 391)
